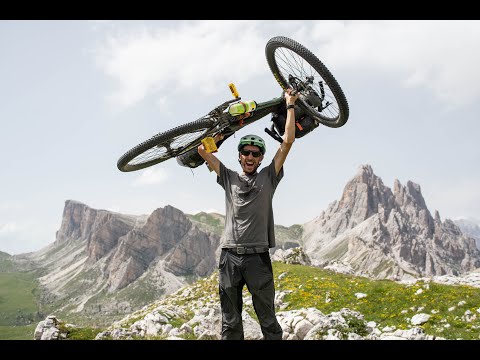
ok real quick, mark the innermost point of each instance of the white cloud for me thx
(151, 176)
(9, 228)
(196, 56)
(441, 56)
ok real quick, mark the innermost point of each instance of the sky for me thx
(75, 95)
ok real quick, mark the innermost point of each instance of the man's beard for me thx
(255, 167)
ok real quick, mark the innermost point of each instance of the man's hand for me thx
(216, 138)
(212, 162)
(289, 98)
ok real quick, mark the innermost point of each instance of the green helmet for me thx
(252, 140)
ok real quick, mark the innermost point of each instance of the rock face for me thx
(99, 253)
(168, 235)
(48, 329)
(100, 229)
(385, 234)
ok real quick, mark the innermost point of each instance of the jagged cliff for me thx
(111, 263)
(387, 234)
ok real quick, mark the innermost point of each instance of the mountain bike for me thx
(321, 100)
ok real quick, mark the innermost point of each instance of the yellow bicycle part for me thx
(209, 144)
(233, 89)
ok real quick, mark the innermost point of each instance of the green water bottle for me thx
(242, 107)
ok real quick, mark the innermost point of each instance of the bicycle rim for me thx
(164, 146)
(286, 58)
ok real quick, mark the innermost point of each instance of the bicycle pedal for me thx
(209, 144)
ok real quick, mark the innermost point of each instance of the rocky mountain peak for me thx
(365, 172)
(166, 217)
(409, 194)
(363, 195)
(98, 253)
(76, 221)
(387, 233)
(100, 229)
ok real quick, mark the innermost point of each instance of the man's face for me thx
(249, 162)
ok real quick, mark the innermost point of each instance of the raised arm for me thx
(212, 160)
(289, 135)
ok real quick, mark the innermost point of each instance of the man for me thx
(249, 230)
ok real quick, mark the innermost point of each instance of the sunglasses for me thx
(255, 154)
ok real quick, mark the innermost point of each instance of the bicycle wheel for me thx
(322, 98)
(165, 145)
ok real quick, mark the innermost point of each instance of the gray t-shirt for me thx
(248, 203)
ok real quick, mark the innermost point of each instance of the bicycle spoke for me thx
(290, 63)
(169, 148)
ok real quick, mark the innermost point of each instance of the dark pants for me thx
(254, 270)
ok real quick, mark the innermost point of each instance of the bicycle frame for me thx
(226, 125)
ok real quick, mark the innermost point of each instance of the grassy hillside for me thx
(6, 262)
(19, 312)
(454, 310)
(136, 294)
(387, 303)
(292, 234)
(17, 299)
(17, 332)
